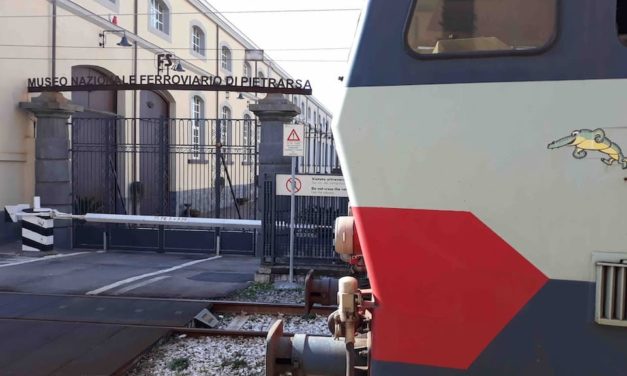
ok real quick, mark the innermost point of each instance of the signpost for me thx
(311, 185)
(293, 146)
(293, 140)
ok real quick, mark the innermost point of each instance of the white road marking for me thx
(140, 284)
(136, 278)
(45, 258)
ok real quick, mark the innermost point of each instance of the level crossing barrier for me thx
(38, 223)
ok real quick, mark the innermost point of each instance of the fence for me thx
(320, 154)
(314, 227)
(175, 167)
(315, 216)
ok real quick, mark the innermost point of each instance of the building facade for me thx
(64, 38)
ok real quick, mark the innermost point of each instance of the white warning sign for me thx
(293, 140)
(311, 185)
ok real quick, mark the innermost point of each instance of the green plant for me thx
(309, 316)
(89, 204)
(236, 361)
(255, 289)
(178, 364)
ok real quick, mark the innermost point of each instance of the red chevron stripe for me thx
(445, 284)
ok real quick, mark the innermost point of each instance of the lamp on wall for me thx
(179, 67)
(240, 96)
(123, 42)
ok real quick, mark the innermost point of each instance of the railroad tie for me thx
(237, 322)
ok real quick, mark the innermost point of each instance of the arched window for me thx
(227, 62)
(198, 115)
(247, 70)
(105, 101)
(261, 75)
(248, 135)
(198, 40)
(225, 133)
(248, 138)
(160, 16)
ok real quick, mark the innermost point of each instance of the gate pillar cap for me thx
(274, 107)
(51, 103)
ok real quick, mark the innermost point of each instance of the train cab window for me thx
(621, 20)
(466, 27)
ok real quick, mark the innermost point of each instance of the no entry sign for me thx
(311, 185)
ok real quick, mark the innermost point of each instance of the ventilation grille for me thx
(611, 298)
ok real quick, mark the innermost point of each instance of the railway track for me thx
(162, 317)
(233, 307)
(217, 306)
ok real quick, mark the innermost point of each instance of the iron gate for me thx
(170, 167)
(313, 232)
(314, 216)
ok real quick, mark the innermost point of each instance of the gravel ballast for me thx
(238, 356)
(205, 356)
(266, 293)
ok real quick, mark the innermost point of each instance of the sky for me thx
(272, 31)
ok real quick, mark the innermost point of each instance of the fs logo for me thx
(164, 62)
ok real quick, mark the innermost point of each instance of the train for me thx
(481, 144)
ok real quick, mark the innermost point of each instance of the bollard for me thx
(37, 234)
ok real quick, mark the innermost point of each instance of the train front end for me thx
(480, 142)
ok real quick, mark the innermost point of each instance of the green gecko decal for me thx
(586, 139)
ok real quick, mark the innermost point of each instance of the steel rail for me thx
(267, 308)
(215, 306)
(195, 332)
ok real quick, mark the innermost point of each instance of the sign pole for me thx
(293, 146)
(292, 213)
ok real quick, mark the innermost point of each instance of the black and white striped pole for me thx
(37, 234)
(37, 226)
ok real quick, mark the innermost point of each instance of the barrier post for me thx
(52, 157)
(273, 111)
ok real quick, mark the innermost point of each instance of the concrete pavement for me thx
(139, 274)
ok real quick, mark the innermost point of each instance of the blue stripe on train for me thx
(587, 47)
(554, 334)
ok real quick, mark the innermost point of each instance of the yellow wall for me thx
(81, 33)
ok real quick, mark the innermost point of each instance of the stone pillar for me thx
(273, 111)
(52, 157)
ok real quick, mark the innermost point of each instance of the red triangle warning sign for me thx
(293, 136)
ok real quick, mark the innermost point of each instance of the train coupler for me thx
(305, 355)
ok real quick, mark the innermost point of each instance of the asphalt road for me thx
(138, 274)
